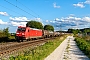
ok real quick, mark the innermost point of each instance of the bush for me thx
(83, 45)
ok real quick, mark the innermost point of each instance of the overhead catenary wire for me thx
(27, 7)
(11, 10)
(14, 11)
(20, 8)
(11, 14)
(17, 1)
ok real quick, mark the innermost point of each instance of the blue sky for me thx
(62, 14)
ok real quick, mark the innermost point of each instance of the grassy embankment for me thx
(40, 52)
(84, 44)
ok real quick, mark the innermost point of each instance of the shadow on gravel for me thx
(76, 51)
(83, 58)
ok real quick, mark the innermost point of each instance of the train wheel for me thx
(37, 38)
(18, 40)
(21, 40)
(27, 39)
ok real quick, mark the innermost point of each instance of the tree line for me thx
(85, 31)
(38, 25)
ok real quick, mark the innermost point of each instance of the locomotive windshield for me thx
(22, 29)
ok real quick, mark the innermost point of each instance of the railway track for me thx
(16, 46)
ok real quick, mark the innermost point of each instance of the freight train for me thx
(27, 33)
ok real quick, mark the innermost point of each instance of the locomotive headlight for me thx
(23, 34)
(17, 33)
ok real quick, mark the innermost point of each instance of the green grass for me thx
(40, 52)
(12, 37)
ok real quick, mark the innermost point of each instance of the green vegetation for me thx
(49, 27)
(38, 25)
(75, 32)
(81, 31)
(40, 52)
(83, 45)
(11, 38)
(34, 24)
(5, 36)
(82, 38)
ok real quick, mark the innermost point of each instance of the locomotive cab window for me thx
(22, 29)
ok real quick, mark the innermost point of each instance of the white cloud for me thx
(72, 15)
(79, 4)
(56, 19)
(1, 22)
(24, 19)
(52, 21)
(73, 21)
(19, 19)
(55, 6)
(47, 21)
(87, 2)
(86, 19)
(76, 18)
(37, 19)
(62, 20)
(82, 4)
(4, 13)
(18, 23)
(70, 19)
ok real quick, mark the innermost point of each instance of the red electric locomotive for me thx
(25, 33)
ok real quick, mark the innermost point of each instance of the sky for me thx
(61, 14)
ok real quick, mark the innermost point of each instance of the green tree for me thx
(6, 32)
(34, 24)
(70, 30)
(49, 27)
(76, 31)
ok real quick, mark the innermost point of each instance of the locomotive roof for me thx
(28, 27)
(35, 29)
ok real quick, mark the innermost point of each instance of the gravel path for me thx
(67, 50)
